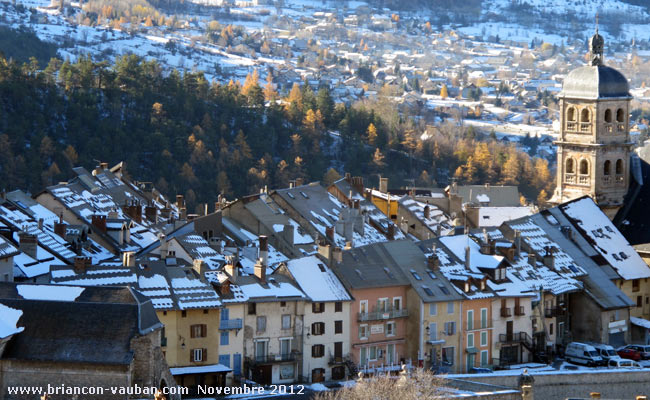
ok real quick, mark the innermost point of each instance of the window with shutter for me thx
(338, 326)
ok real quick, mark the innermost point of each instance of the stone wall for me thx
(40, 374)
(559, 386)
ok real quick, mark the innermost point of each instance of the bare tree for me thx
(418, 385)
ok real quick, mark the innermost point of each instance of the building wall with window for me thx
(231, 339)
(378, 319)
(638, 290)
(476, 332)
(441, 341)
(273, 348)
(190, 338)
(326, 341)
(512, 330)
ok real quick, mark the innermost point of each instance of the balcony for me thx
(550, 312)
(519, 337)
(585, 127)
(583, 179)
(609, 128)
(479, 324)
(569, 178)
(506, 312)
(381, 315)
(337, 360)
(571, 126)
(274, 358)
(607, 180)
(620, 179)
(519, 310)
(226, 324)
(621, 127)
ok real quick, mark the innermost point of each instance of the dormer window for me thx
(483, 285)
(466, 287)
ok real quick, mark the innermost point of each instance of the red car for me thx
(630, 354)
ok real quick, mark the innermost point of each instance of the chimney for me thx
(205, 209)
(81, 264)
(60, 227)
(299, 182)
(532, 259)
(225, 287)
(467, 258)
(164, 246)
(103, 166)
(356, 204)
(518, 242)
(433, 263)
(40, 224)
(231, 268)
(113, 214)
(325, 250)
(391, 231)
(133, 210)
(99, 222)
(292, 184)
(427, 212)
(179, 201)
(128, 259)
(200, 266)
(151, 213)
(383, 185)
(337, 255)
(357, 183)
(264, 250)
(367, 194)
(28, 244)
(348, 177)
(183, 214)
(288, 231)
(329, 233)
(549, 258)
(348, 245)
(260, 270)
(510, 253)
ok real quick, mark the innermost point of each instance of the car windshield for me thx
(610, 352)
(592, 353)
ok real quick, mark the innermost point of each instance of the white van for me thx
(581, 353)
(606, 351)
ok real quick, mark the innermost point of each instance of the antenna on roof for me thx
(596, 23)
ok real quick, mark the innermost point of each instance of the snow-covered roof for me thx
(49, 292)
(458, 244)
(644, 323)
(203, 369)
(168, 287)
(9, 321)
(317, 280)
(495, 216)
(605, 238)
(437, 218)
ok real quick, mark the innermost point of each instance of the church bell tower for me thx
(593, 155)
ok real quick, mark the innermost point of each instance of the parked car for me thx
(641, 348)
(621, 363)
(581, 353)
(606, 351)
(630, 354)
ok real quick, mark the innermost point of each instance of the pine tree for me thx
(443, 92)
(378, 160)
(270, 94)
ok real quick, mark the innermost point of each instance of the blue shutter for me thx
(236, 364)
(224, 338)
(224, 359)
(225, 314)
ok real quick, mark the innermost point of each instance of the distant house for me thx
(79, 337)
